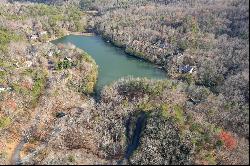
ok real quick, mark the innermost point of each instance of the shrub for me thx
(11, 104)
(87, 58)
(179, 116)
(6, 37)
(71, 159)
(39, 83)
(146, 106)
(4, 122)
(229, 141)
(165, 110)
(65, 64)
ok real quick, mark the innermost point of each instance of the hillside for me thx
(50, 112)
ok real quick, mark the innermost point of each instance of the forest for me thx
(198, 115)
(210, 36)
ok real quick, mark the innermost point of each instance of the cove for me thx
(113, 63)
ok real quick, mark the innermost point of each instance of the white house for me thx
(28, 64)
(58, 51)
(17, 64)
(42, 33)
(34, 37)
(67, 58)
(50, 53)
(2, 89)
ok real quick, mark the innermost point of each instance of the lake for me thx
(113, 63)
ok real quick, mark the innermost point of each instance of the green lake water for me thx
(113, 63)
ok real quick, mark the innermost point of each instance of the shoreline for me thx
(160, 67)
(71, 33)
(81, 33)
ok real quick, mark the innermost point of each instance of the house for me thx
(50, 53)
(2, 69)
(67, 59)
(16, 64)
(33, 37)
(50, 62)
(194, 101)
(2, 89)
(179, 55)
(60, 114)
(28, 64)
(32, 51)
(42, 33)
(58, 51)
(51, 65)
(186, 69)
(92, 12)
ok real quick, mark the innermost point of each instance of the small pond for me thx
(112, 61)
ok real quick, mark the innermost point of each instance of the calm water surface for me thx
(113, 63)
